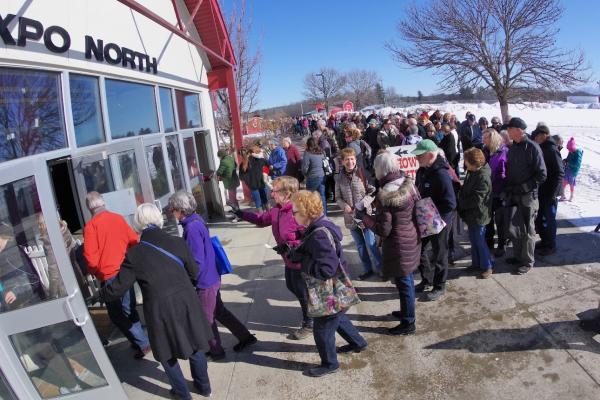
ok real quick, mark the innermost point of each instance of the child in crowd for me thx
(572, 166)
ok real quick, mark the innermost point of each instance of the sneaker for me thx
(321, 371)
(403, 329)
(177, 396)
(499, 252)
(523, 269)
(141, 353)
(348, 348)
(547, 251)
(365, 276)
(486, 274)
(250, 340)
(422, 286)
(206, 392)
(512, 260)
(301, 333)
(435, 294)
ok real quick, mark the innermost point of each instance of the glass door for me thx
(48, 345)
(194, 176)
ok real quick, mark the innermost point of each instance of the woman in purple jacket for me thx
(195, 233)
(287, 234)
(498, 156)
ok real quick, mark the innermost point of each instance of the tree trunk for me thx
(504, 110)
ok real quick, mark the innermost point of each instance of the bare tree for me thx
(506, 45)
(247, 73)
(324, 85)
(362, 82)
(391, 96)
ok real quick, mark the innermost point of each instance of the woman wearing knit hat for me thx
(572, 166)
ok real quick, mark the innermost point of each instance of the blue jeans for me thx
(363, 239)
(297, 285)
(260, 196)
(406, 292)
(199, 369)
(324, 330)
(545, 222)
(318, 184)
(123, 314)
(480, 254)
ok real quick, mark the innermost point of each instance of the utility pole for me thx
(324, 92)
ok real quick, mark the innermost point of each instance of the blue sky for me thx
(299, 36)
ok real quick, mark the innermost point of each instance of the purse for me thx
(429, 220)
(333, 295)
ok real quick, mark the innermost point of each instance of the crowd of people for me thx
(510, 191)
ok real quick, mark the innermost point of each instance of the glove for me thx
(282, 249)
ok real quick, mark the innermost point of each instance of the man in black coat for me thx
(525, 172)
(434, 181)
(371, 137)
(549, 190)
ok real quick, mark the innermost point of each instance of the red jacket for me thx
(107, 236)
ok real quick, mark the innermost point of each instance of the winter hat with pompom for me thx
(571, 145)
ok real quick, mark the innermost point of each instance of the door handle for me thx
(76, 320)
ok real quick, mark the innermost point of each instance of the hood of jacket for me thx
(325, 222)
(396, 192)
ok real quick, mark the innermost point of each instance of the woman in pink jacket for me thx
(287, 234)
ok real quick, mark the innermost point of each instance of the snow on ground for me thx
(581, 121)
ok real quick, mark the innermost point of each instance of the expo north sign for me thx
(57, 40)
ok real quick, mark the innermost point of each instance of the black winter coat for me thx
(435, 182)
(475, 196)
(177, 327)
(555, 170)
(253, 176)
(525, 168)
(448, 144)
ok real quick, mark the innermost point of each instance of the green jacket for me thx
(228, 172)
(474, 199)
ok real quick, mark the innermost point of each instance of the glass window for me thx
(195, 175)
(131, 108)
(85, 105)
(28, 275)
(58, 360)
(5, 391)
(188, 108)
(97, 176)
(166, 109)
(158, 173)
(31, 117)
(127, 176)
(175, 162)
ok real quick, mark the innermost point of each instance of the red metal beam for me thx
(167, 25)
(179, 24)
(193, 14)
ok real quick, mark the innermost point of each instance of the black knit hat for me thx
(517, 122)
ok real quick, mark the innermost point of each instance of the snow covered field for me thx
(565, 119)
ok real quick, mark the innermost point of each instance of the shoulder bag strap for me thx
(165, 252)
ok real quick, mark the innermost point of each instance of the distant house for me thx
(583, 99)
(254, 125)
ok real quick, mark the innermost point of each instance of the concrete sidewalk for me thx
(508, 337)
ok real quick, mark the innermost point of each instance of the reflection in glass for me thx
(31, 117)
(85, 104)
(27, 274)
(5, 391)
(188, 109)
(175, 162)
(97, 176)
(166, 109)
(158, 173)
(195, 175)
(58, 359)
(127, 176)
(131, 108)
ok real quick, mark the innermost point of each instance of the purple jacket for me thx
(285, 228)
(497, 163)
(197, 237)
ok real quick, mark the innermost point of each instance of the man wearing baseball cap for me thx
(434, 181)
(526, 171)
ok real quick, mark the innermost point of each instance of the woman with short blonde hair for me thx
(321, 256)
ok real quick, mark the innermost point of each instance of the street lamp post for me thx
(324, 92)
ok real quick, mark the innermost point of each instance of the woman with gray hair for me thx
(208, 279)
(166, 272)
(394, 222)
